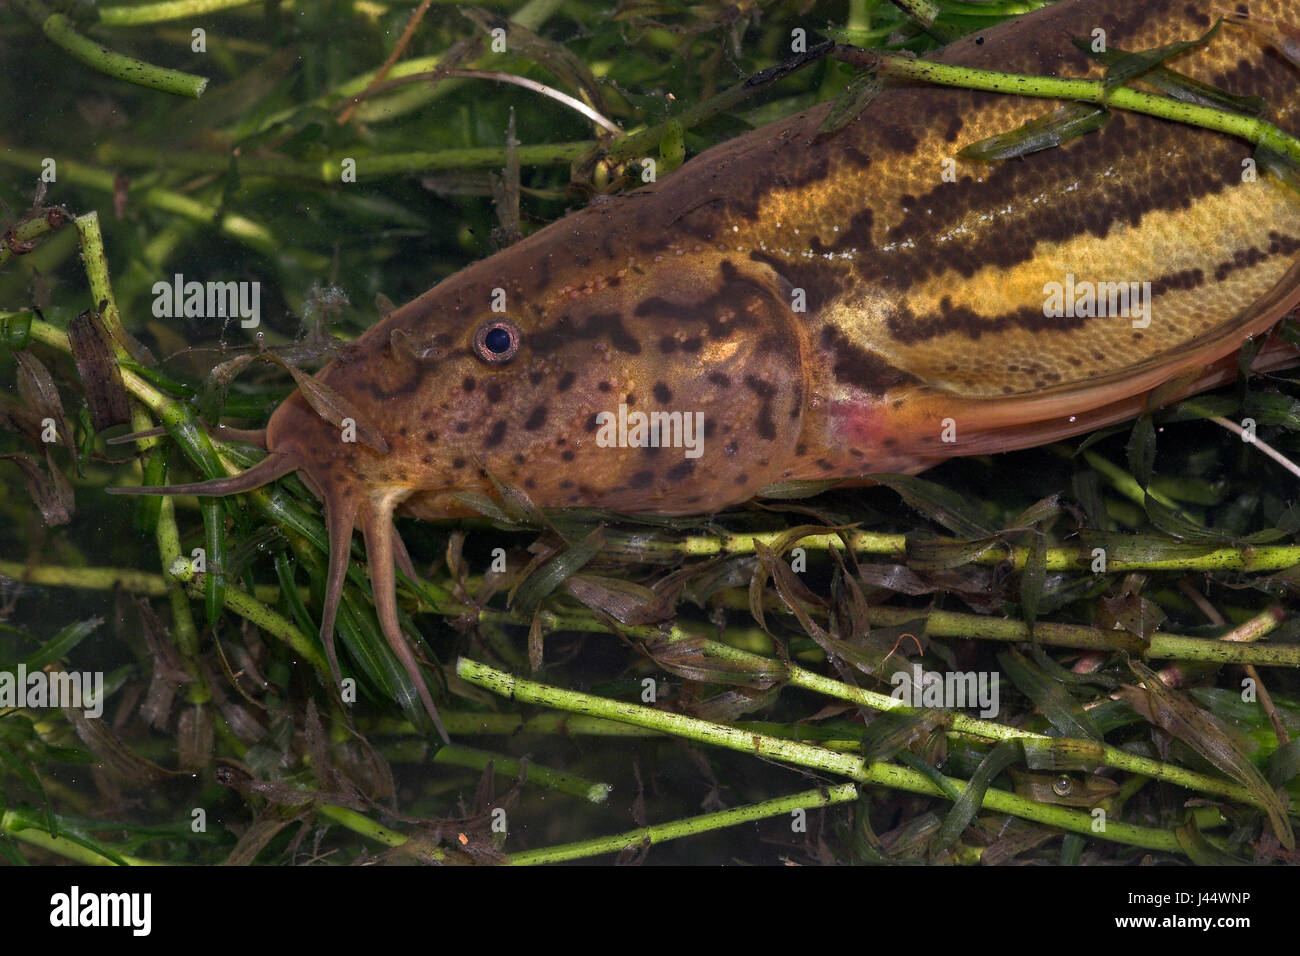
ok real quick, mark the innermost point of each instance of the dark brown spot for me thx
(566, 331)
(496, 435)
(536, 419)
(663, 394)
(860, 368)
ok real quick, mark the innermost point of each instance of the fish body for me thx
(828, 302)
(823, 306)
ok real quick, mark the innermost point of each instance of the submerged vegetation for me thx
(608, 683)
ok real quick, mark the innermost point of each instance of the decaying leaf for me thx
(101, 376)
(37, 391)
(49, 489)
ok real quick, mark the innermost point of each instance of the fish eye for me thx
(497, 341)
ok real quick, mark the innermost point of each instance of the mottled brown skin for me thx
(924, 300)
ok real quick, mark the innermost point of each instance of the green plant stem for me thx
(60, 31)
(663, 832)
(979, 627)
(12, 823)
(1124, 483)
(942, 624)
(99, 579)
(134, 15)
(530, 16)
(362, 824)
(1245, 127)
(658, 833)
(509, 725)
(552, 779)
(800, 754)
(470, 157)
(1157, 647)
(184, 630)
(101, 291)
(989, 730)
(328, 171)
(251, 609)
(645, 142)
(241, 228)
(724, 544)
(39, 224)
(958, 723)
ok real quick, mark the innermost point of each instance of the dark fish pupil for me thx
(497, 340)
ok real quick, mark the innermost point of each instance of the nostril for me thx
(497, 341)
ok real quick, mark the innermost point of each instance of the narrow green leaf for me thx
(851, 101)
(972, 798)
(1142, 450)
(1059, 126)
(893, 730)
(1178, 524)
(61, 644)
(545, 579)
(937, 503)
(1071, 849)
(1132, 65)
(1033, 577)
(1181, 87)
(1049, 696)
(1283, 764)
(214, 538)
(1200, 850)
